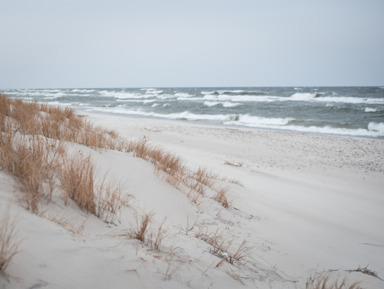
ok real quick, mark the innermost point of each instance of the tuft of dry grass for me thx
(9, 245)
(366, 271)
(77, 182)
(140, 232)
(32, 161)
(109, 201)
(144, 232)
(222, 247)
(156, 239)
(205, 177)
(221, 197)
(324, 282)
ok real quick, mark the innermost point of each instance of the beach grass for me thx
(9, 244)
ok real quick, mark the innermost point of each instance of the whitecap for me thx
(208, 92)
(231, 104)
(376, 127)
(262, 122)
(303, 96)
(211, 103)
(369, 109)
(182, 94)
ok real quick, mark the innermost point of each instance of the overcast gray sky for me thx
(159, 43)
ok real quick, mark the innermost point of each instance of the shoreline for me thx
(206, 123)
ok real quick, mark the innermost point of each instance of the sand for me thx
(306, 204)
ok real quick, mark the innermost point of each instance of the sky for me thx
(187, 43)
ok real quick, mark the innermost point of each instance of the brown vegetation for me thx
(147, 235)
(221, 197)
(324, 282)
(222, 247)
(32, 150)
(8, 243)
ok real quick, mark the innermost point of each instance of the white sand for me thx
(305, 203)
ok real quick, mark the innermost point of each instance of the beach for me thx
(305, 204)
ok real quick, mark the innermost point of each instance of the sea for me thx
(352, 111)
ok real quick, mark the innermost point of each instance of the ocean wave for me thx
(233, 92)
(336, 99)
(304, 96)
(256, 121)
(369, 109)
(152, 90)
(211, 103)
(373, 130)
(183, 94)
(226, 104)
(185, 115)
(231, 104)
(82, 91)
(234, 98)
(123, 94)
(376, 127)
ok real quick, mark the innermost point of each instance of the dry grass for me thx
(324, 282)
(222, 247)
(32, 161)
(55, 123)
(366, 271)
(205, 177)
(78, 184)
(32, 150)
(221, 197)
(145, 233)
(189, 227)
(156, 239)
(109, 201)
(171, 168)
(140, 232)
(9, 245)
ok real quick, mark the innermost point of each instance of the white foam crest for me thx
(53, 95)
(339, 99)
(208, 92)
(352, 100)
(83, 90)
(231, 104)
(166, 96)
(152, 90)
(245, 98)
(262, 122)
(123, 95)
(154, 105)
(149, 101)
(190, 98)
(230, 91)
(185, 115)
(183, 94)
(370, 109)
(211, 103)
(376, 127)
(370, 132)
(303, 96)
